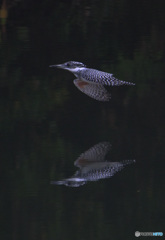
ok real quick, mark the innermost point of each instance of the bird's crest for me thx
(73, 64)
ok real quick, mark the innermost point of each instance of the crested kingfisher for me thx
(91, 81)
(93, 166)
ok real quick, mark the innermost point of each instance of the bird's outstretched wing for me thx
(96, 91)
(103, 78)
(94, 154)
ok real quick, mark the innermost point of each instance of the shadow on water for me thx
(93, 166)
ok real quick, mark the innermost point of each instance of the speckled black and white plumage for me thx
(102, 78)
(96, 91)
(91, 81)
(95, 154)
(93, 166)
(99, 171)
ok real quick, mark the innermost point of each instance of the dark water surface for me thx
(51, 132)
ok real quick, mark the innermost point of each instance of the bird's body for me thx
(91, 81)
(99, 77)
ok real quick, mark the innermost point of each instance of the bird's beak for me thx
(57, 66)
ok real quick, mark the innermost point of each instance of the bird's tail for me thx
(126, 162)
(117, 82)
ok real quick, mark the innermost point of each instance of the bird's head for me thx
(71, 66)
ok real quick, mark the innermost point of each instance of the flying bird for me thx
(91, 81)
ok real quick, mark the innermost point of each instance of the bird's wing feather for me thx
(94, 154)
(96, 91)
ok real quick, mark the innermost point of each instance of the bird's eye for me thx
(68, 64)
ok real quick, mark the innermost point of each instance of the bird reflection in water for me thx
(93, 166)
